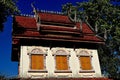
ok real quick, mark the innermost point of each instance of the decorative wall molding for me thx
(37, 50)
(83, 52)
(60, 51)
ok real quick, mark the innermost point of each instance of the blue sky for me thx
(7, 67)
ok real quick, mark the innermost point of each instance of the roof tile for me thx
(26, 22)
(51, 17)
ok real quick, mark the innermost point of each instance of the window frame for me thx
(85, 53)
(67, 54)
(39, 52)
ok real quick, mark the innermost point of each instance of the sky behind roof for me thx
(7, 67)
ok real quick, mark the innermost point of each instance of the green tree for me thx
(7, 7)
(104, 17)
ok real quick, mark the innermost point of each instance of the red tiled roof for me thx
(62, 19)
(26, 22)
(51, 17)
(91, 38)
(62, 37)
(85, 28)
(59, 28)
(30, 22)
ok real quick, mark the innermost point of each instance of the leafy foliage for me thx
(105, 15)
(3, 77)
(7, 7)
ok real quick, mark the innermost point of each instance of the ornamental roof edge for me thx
(26, 15)
(54, 12)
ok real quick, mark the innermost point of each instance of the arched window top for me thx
(37, 50)
(83, 52)
(60, 51)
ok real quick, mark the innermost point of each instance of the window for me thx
(37, 60)
(61, 61)
(85, 59)
(85, 62)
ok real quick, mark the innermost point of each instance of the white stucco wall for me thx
(50, 64)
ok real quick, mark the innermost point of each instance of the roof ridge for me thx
(26, 15)
(53, 12)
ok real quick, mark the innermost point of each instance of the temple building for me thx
(52, 45)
